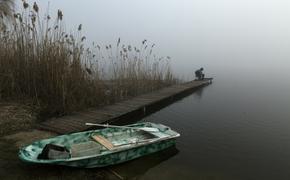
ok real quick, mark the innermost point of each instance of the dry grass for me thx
(40, 61)
(23, 138)
(15, 117)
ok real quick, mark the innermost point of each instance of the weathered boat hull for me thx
(118, 154)
(120, 157)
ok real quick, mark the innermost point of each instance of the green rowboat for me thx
(102, 147)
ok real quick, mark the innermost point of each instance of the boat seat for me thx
(85, 149)
(102, 140)
(54, 151)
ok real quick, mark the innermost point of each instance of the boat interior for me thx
(97, 142)
(110, 141)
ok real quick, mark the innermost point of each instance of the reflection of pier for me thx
(131, 109)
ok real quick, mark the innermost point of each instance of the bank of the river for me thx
(15, 117)
(17, 123)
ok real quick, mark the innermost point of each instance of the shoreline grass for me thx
(39, 61)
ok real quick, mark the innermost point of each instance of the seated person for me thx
(199, 75)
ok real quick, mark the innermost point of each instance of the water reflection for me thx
(137, 168)
(198, 93)
(140, 113)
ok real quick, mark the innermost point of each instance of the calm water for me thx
(236, 128)
(228, 130)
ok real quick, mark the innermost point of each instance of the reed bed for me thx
(41, 62)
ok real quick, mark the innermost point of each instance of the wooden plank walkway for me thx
(137, 105)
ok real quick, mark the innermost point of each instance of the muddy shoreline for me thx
(17, 129)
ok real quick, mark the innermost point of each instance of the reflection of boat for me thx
(98, 148)
(139, 167)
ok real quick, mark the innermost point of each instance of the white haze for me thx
(219, 35)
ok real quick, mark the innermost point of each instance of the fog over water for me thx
(236, 128)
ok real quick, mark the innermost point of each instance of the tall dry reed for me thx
(6, 8)
(40, 61)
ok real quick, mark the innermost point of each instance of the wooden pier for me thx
(139, 106)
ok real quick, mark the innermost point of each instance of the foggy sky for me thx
(243, 35)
